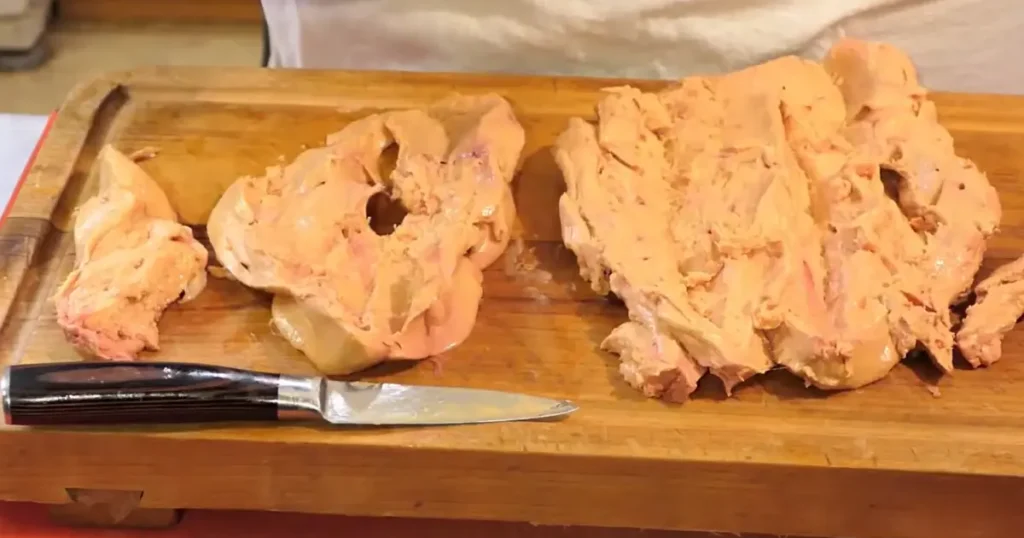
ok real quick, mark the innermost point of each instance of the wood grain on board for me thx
(891, 460)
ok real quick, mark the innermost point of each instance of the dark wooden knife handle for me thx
(135, 393)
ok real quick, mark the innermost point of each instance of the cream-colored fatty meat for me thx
(1000, 303)
(744, 221)
(132, 260)
(347, 296)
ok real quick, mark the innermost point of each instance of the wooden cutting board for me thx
(891, 460)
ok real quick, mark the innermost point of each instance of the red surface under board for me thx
(25, 520)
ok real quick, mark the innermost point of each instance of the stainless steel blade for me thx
(389, 404)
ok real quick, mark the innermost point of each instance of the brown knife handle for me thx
(135, 393)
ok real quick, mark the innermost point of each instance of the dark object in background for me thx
(25, 60)
(23, 44)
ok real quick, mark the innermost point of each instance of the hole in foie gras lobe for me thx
(385, 213)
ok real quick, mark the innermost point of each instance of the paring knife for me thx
(79, 393)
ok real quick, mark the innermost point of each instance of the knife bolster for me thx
(300, 398)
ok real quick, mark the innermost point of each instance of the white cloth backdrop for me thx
(18, 136)
(958, 45)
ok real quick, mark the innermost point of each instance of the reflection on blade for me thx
(390, 404)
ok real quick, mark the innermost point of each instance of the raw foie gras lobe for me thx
(857, 322)
(132, 260)
(1000, 303)
(946, 197)
(668, 374)
(346, 296)
(735, 208)
(896, 263)
(670, 195)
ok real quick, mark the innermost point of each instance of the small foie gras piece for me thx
(1000, 303)
(132, 260)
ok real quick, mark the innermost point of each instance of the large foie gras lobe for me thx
(302, 232)
(945, 197)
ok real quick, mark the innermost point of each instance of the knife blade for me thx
(108, 393)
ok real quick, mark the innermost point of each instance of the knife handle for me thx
(135, 393)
